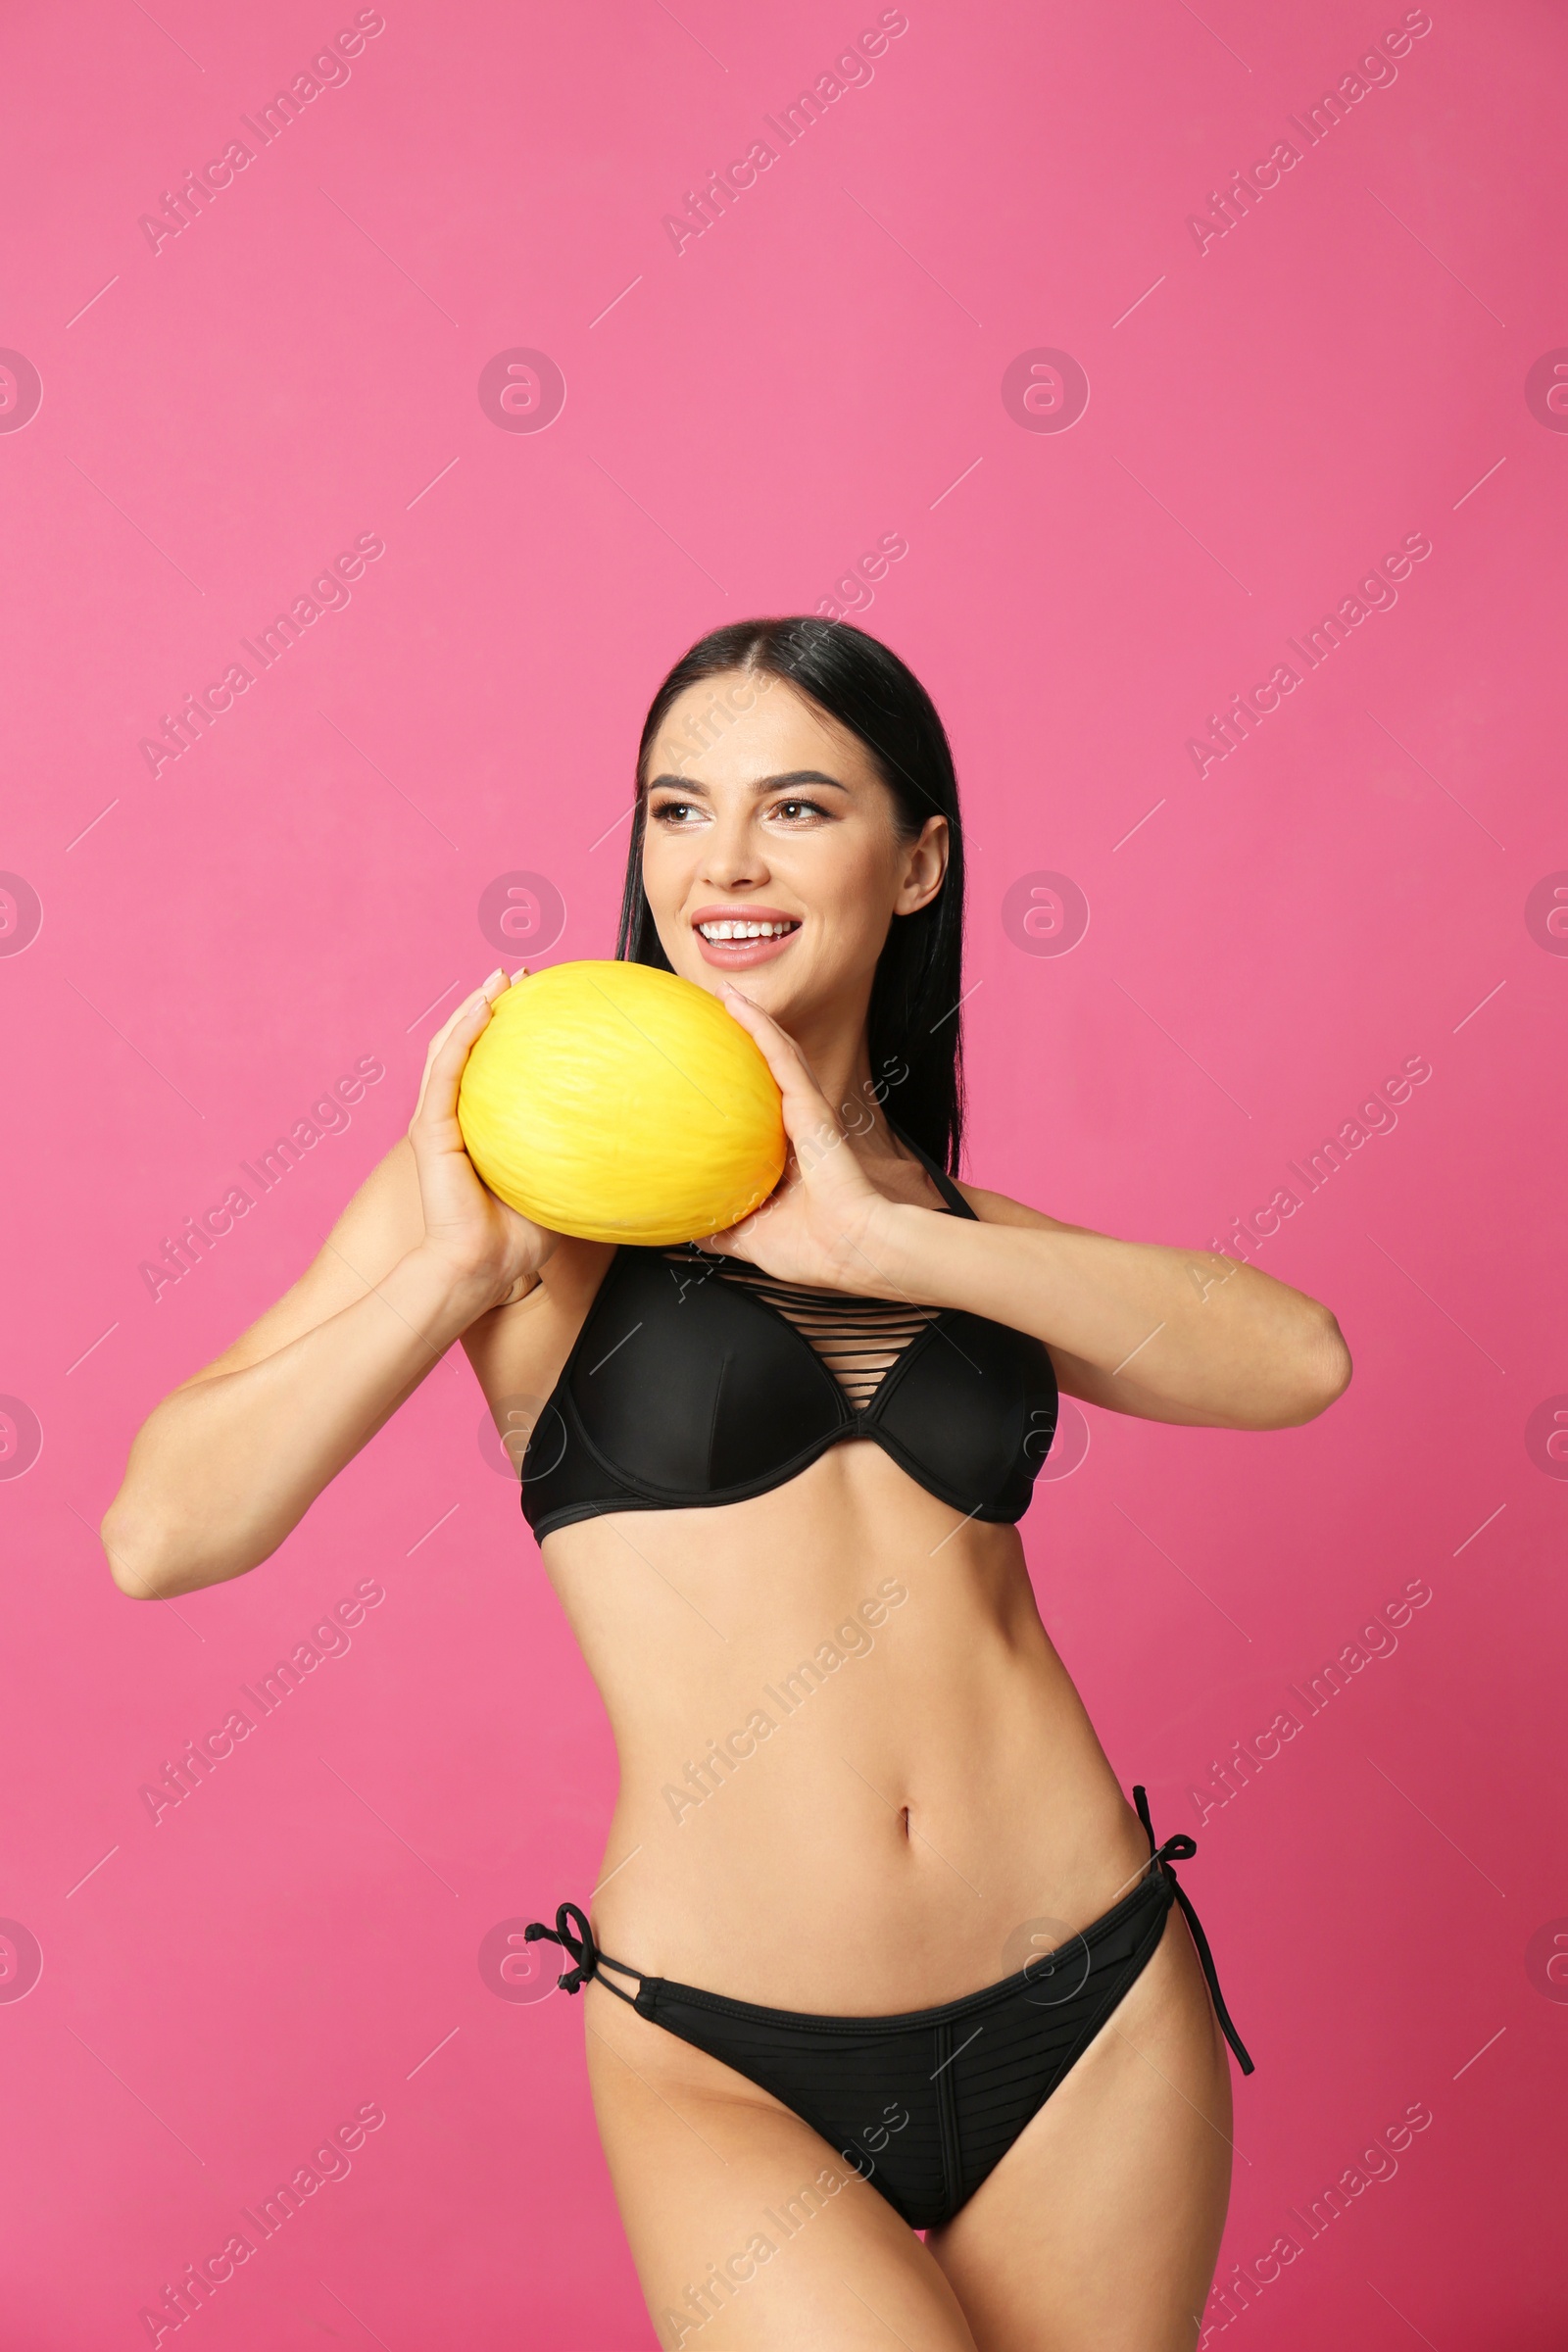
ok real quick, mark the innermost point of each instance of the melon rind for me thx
(620, 1104)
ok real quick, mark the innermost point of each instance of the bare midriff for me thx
(855, 1774)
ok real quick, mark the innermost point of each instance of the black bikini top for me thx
(698, 1379)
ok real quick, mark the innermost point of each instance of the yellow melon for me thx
(622, 1104)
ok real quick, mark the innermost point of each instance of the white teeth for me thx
(744, 930)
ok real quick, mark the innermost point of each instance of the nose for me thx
(733, 857)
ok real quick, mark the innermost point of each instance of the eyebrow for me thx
(796, 775)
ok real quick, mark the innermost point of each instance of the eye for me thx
(674, 812)
(795, 810)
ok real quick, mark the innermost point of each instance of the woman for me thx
(906, 2039)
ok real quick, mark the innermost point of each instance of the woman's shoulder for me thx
(997, 1208)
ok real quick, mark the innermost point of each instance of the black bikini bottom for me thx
(924, 2105)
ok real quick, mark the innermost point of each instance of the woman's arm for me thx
(230, 1461)
(1172, 1334)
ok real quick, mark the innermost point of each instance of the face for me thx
(765, 814)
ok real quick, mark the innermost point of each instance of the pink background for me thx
(301, 890)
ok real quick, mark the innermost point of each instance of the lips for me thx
(735, 937)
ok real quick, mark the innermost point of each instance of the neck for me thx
(839, 1052)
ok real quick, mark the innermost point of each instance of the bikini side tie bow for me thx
(1181, 1848)
(581, 1947)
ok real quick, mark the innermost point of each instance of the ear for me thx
(925, 867)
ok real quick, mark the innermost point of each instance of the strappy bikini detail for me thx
(700, 1380)
(859, 1340)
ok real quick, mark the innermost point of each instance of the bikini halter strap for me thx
(1181, 1848)
(582, 1948)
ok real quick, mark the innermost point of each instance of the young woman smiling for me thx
(917, 1977)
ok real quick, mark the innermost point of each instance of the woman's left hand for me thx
(819, 1224)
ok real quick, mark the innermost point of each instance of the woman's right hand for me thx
(479, 1236)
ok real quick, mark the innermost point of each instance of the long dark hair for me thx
(915, 1039)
